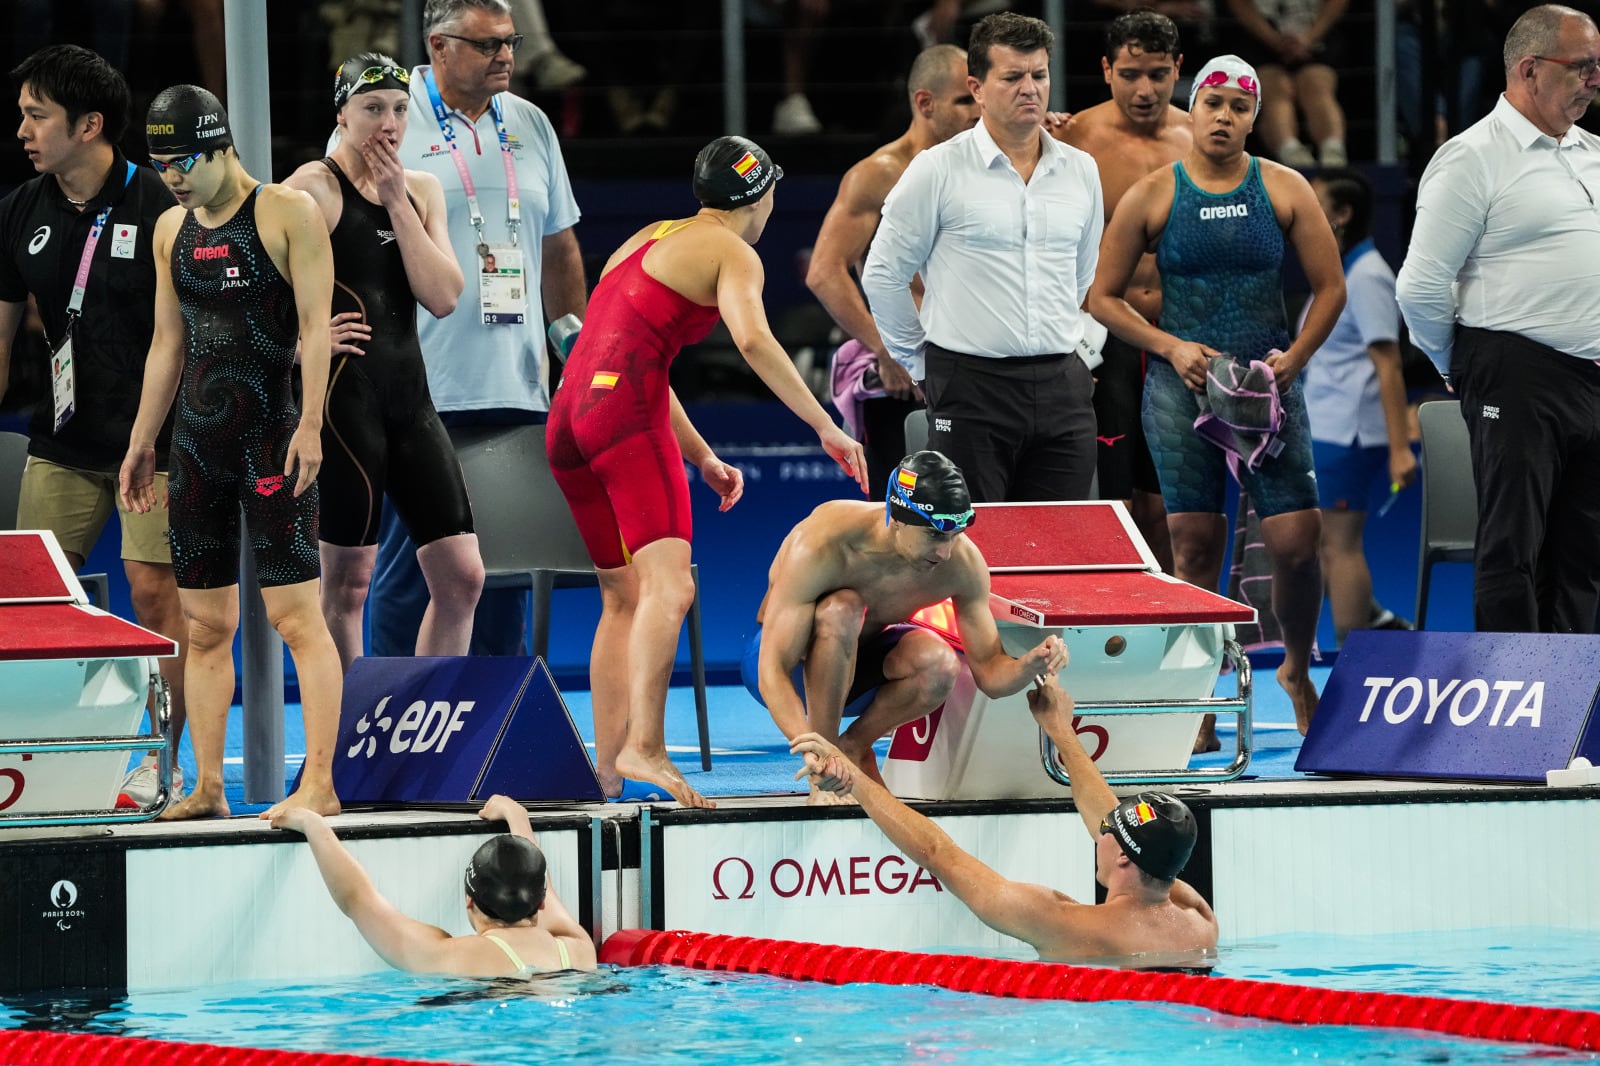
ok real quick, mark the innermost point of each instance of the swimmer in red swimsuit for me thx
(618, 438)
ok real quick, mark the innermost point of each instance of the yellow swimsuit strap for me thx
(671, 227)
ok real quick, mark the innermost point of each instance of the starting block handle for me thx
(1239, 705)
(159, 737)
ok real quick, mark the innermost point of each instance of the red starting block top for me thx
(1086, 535)
(1108, 598)
(33, 570)
(71, 631)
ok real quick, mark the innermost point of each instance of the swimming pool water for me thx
(671, 1015)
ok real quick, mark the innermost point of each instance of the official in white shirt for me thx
(1003, 223)
(1501, 287)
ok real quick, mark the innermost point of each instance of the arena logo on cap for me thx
(748, 167)
(155, 129)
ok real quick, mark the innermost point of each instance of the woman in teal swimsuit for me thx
(1218, 221)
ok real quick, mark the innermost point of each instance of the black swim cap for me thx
(365, 73)
(732, 172)
(506, 878)
(1156, 830)
(185, 119)
(927, 488)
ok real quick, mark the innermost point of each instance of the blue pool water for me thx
(671, 1015)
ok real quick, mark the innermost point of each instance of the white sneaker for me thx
(1295, 154)
(1333, 154)
(140, 786)
(793, 116)
(555, 71)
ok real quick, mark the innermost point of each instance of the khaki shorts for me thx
(75, 505)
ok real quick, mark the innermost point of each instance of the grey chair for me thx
(916, 431)
(528, 539)
(1449, 497)
(13, 458)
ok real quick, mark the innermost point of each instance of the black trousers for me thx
(1533, 419)
(1020, 429)
(883, 438)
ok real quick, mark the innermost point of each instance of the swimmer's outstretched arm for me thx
(1052, 708)
(402, 941)
(995, 671)
(554, 918)
(1056, 925)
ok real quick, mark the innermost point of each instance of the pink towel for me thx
(855, 380)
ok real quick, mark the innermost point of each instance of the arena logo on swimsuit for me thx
(1466, 700)
(1225, 211)
(734, 878)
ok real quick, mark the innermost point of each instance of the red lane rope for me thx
(1269, 1000)
(37, 1048)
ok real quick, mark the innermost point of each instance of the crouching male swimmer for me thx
(1141, 844)
(845, 582)
(519, 926)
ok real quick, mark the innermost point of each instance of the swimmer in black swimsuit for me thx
(241, 270)
(391, 251)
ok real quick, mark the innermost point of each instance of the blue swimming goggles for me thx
(944, 523)
(185, 164)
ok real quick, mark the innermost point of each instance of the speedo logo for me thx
(1225, 211)
(219, 252)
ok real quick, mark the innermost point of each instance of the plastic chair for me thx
(13, 458)
(528, 539)
(1449, 497)
(916, 431)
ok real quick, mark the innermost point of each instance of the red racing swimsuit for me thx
(610, 439)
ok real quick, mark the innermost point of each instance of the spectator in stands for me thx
(1297, 47)
(800, 20)
(1149, 917)
(519, 925)
(1356, 400)
(546, 67)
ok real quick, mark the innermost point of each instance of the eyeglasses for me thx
(185, 164)
(943, 523)
(1584, 68)
(490, 46)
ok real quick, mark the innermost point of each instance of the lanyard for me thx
(80, 283)
(513, 201)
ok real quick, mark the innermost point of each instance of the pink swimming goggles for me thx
(1229, 72)
(1222, 77)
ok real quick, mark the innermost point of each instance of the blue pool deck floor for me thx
(750, 757)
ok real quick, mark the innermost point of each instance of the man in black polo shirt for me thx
(74, 108)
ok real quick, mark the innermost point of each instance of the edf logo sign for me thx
(422, 727)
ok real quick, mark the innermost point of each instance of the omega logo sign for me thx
(734, 878)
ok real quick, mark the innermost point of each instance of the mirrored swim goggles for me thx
(184, 165)
(943, 523)
(369, 77)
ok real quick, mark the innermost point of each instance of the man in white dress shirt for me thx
(1501, 287)
(1003, 223)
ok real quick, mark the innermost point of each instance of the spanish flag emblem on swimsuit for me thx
(604, 379)
(746, 164)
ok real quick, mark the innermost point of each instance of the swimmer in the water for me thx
(519, 926)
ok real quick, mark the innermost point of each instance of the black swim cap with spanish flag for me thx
(1156, 830)
(731, 172)
(927, 487)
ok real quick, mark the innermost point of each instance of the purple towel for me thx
(851, 362)
(1240, 412)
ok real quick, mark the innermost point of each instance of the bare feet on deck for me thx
(659, 770)
(201, 803)
(1303, 693)
(1207, 740)
(321, 800)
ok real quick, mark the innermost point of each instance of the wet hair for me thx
(1537, 32)
(506, 878)
(1150, 31)
(81, 82)
(437, 13)
(931, 69)
(1009, 29)
(1350, 188)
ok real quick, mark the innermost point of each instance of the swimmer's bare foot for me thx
(659, 770)
(203, 802)
(1303, 693)
(1207, 739)
(319, 799)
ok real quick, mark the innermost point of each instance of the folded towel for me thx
(854, 380)
(1240, 412)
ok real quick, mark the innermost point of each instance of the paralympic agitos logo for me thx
(736, 878)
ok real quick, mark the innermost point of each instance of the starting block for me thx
(1146, 651)
(75, 685)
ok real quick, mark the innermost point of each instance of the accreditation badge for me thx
(502, 292)
(62, 382)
